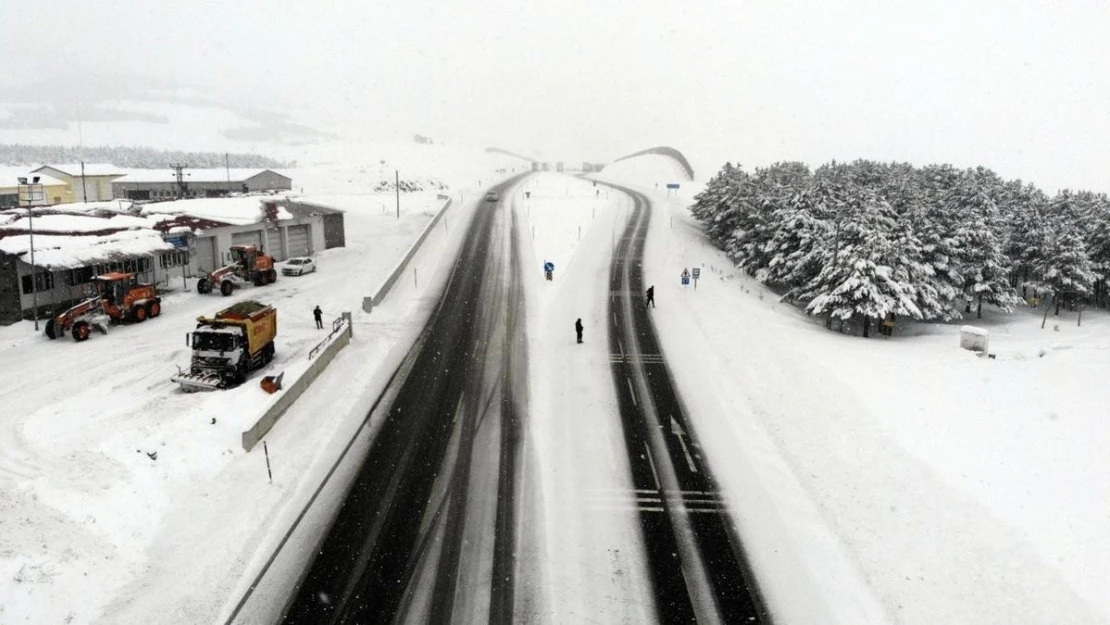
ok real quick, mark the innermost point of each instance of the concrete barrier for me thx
(383, 290)
(290, 394)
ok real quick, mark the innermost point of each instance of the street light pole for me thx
(30, 193)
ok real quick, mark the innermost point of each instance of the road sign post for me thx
(696, 274)
(685, 277)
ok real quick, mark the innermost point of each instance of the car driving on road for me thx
(492, 196)
(298, 267)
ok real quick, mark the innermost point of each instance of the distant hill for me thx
(130, 157)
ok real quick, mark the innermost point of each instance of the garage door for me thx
(254, 237)
(205, 253)
(300, 240)
(273, 243)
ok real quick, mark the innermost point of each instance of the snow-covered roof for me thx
(74, 223)
(10, 175)
(192, 175)
(91, 169)
(113, 206)
(232, 210)
(63, 252)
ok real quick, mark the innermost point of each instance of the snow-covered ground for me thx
(875, 481)
(124, 500)
(894, 481)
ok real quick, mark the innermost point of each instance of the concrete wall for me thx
(376, 298)
(290, 393)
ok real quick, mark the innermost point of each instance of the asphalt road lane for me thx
(411, 542)
(697, 562)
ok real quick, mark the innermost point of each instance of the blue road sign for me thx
(549, 266)
(685, 281)
(672, 185)
(178, 241)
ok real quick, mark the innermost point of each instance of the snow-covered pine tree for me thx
(1023, 209)
(1098, 243)
(1065, 268)
(861, 280)
(715, 205)
(982, 266)
(802, 243)
(935, 227)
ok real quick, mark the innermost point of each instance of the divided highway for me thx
(428, 532)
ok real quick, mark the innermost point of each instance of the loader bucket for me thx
(191, 383)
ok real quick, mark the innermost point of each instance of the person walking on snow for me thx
(651, 296)
(578, 329)
(319, 315)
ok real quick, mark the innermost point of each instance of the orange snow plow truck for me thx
(249, 265)
(119, 298)
(228, 346)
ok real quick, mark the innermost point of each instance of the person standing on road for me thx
(319, 315)
(578, 329)
(651, 296)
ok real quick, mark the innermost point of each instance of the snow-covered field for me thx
(124, 500)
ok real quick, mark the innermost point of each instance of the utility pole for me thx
(179, 175)
(397, 184)
(227, 168)
(84, 187)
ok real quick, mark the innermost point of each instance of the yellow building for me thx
(95, 177)
(56, 191)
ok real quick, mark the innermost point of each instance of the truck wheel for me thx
(226, 287)
(138, 313)
(268, 354)
(271, 276)
(81, 331)
(51, 330)
(259, 279)
(154, 309)
(203, 286)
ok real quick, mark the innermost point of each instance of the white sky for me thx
(1021, 86)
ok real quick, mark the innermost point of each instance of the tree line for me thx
(866, 241)
(130, 157)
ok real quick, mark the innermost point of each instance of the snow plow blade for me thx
(191, 383)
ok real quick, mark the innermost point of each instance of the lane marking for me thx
(629, 380)
(651, 463)
(677, 430)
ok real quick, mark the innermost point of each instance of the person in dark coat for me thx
(319, 315)
(578, 329)
(651, 296)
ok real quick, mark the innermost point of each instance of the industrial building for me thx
(162, 184)
(90, 182)
(164, 243)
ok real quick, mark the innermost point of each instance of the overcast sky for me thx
(1016, 85)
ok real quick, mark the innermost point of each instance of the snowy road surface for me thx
(427, 532)
(697, 563)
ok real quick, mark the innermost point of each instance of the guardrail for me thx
(321, 355)
(376, 298)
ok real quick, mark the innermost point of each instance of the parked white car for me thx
(298, 267)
